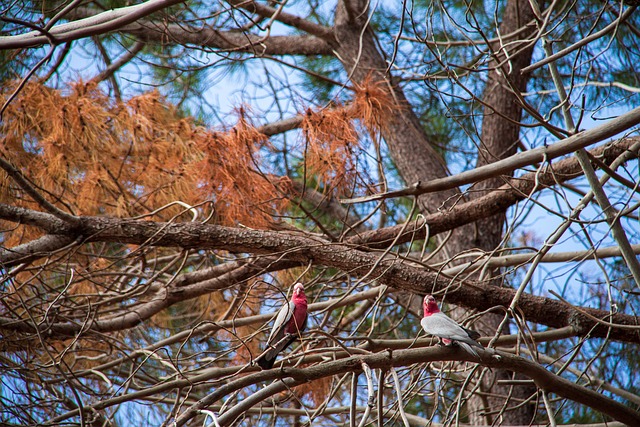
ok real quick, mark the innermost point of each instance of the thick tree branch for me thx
(210, 328)
(185, 287)
(290, 377)
(38, 219)
(33, 250)
(286, 377)
(296, 247)
(231, 41)
(204, 35)
(497, 201)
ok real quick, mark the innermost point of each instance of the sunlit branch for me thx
(99, 24)
(483, 261)
(496, 201)
(520, 160)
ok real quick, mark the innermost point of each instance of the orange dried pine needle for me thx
(330, 138)
(373, 103)
(94, 156)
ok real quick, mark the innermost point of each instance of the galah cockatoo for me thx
(442, 326)
(290, 321)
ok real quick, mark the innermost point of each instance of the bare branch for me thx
(495, 202)
(121, 61)
(33, 250)
(520, 160)
(325, 33)
(289, 377)
(613, 26)
(230, 41)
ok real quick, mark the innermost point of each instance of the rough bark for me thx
(499, 139)
(304, 249)
(230, 41)
(416, 158)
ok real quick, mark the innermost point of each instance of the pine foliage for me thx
(95, 156)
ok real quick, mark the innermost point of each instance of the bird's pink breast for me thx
(299, 315)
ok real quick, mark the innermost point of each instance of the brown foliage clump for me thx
(373, 104)
(330, 138)
(229, 172)
(93, 156)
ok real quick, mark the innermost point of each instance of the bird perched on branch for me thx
(446, 329)
(290, 321)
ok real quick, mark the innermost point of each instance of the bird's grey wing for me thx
(442, 326)
(473, 334)
(284, 315)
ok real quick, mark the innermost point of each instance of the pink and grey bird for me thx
(448, 330)
(290, 321)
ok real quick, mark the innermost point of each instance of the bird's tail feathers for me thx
(268, 358)
(469, 349)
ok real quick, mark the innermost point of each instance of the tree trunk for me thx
(412, 153)
(500, 135)
(417, 160)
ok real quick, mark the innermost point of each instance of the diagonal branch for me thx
(325, 33)
(290, 377)
(120, 62)
(520, 160)
(29, 189)
(497, 201)
(283, 379)
(613, 26)
(33, 250)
